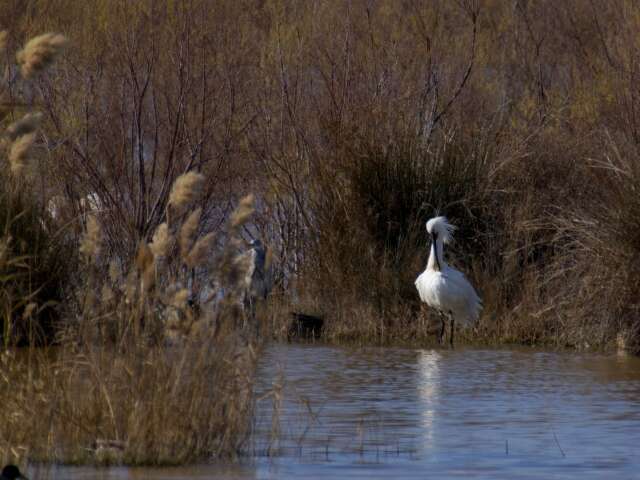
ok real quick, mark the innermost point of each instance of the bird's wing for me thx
(468, 299)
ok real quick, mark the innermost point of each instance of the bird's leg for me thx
(442, 327)
(453, 325)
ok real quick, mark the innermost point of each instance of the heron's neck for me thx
(436, 261)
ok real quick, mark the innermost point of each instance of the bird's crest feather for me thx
(442, 226)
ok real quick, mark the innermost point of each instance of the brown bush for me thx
(353, 122)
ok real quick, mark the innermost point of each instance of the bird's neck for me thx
(436, 261)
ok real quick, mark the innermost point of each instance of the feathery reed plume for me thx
(20, 152)
(27, 124)
(39, 53)
(3, 40)
(185, 190)
(198, 253)
(243, 211)
(90, 244)
(144, 262)
(160, 242)
(188, 231)
(144, 258)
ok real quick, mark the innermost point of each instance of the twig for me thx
(558, 443)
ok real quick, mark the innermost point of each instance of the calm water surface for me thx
(404, 413)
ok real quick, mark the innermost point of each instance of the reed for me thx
(389, 125)
(118, 365)
(138, 377)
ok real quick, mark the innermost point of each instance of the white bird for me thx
(258, 281)
(261, 281)
(443, 287)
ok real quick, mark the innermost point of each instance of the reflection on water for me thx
(428, 389)
(403, 413)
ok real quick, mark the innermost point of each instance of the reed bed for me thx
(137, 376)
(119, 364)
(129, 146)
(132, 139)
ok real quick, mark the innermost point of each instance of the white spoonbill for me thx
(444, 288)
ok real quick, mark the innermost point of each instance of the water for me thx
(406, 413)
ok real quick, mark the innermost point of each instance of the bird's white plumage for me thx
(443, 287)
(441, 226)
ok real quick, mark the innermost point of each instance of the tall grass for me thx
(33, 272)
(371, 226)
(34, 265)
(353, 123)
(138, 377)
(130, 371)
(596, 274)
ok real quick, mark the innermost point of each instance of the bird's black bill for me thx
(434, 238)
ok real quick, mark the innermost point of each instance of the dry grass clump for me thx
(34, 265)
(139, 377)
(33, 271)
(596, 276)
(151, 405)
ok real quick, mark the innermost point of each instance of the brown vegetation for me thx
(137, 376)
(354, 122)
(120, 367)
(127, 151)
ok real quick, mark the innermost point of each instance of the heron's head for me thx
(439, 227)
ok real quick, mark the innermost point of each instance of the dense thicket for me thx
(354, 122)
